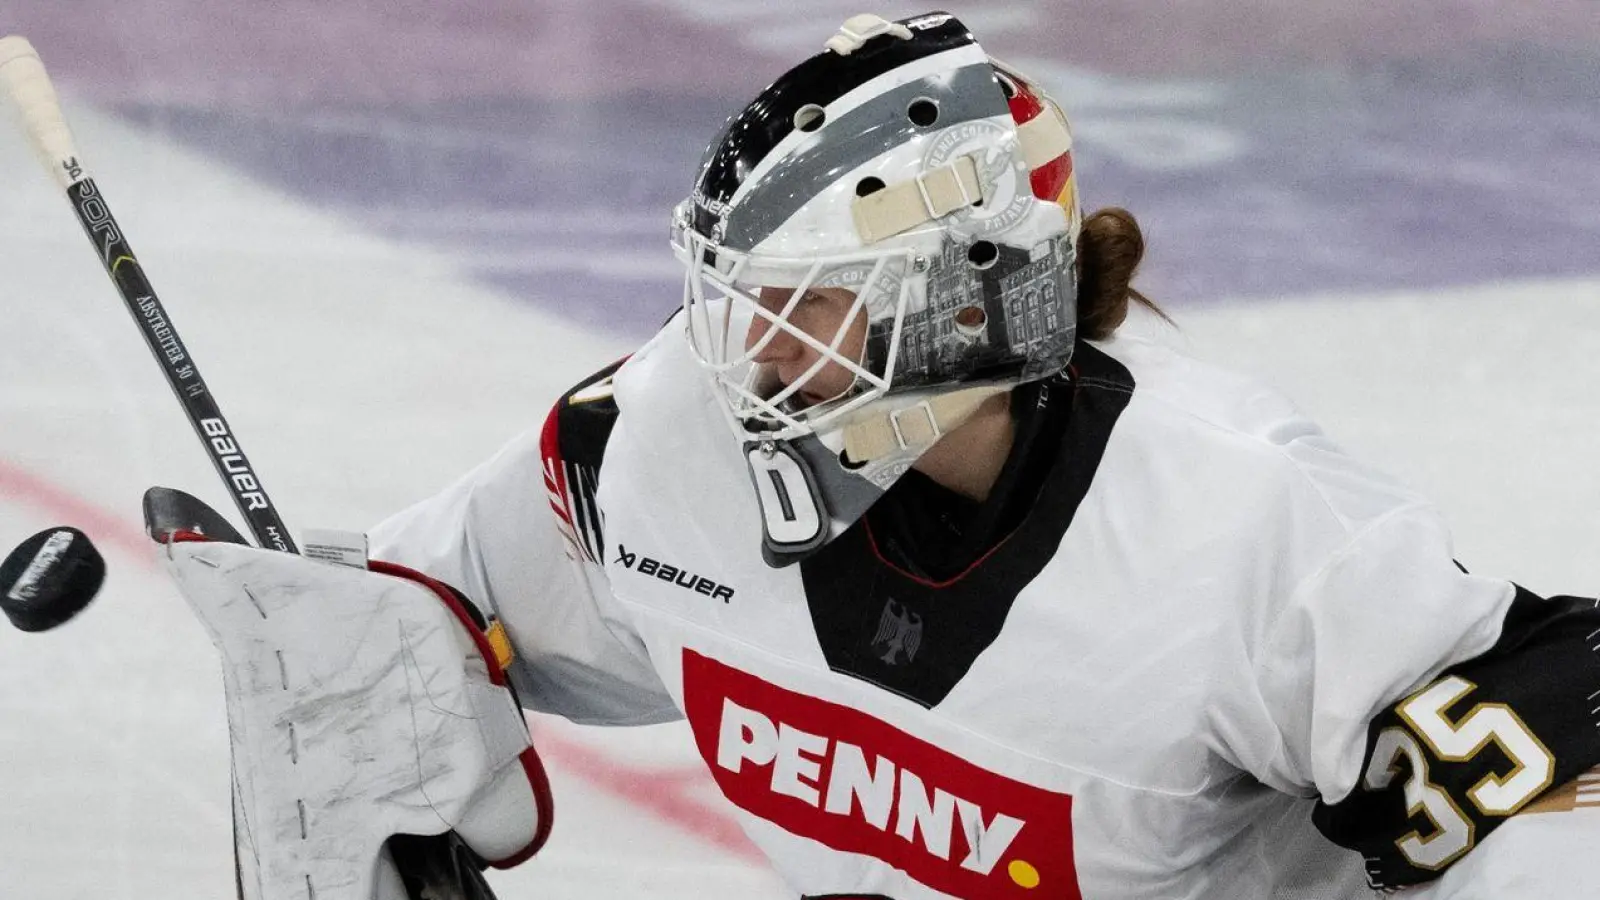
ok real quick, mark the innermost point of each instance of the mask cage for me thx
(721, 299)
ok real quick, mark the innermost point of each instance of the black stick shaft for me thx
(179, 367)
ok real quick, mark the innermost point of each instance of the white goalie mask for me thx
(924, 191)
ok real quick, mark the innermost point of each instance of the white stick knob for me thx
(23, 77)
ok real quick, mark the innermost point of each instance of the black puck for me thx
(49, 578)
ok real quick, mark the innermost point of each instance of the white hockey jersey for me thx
(1135, 695)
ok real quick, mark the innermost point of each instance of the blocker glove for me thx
(362, 704)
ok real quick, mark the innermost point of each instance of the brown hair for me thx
(1109, 249)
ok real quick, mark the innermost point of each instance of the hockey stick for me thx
(24, 79)
(435, 867)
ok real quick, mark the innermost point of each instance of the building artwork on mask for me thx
(979, 317)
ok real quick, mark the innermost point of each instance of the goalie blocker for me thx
(361, 704)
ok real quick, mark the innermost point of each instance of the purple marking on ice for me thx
(542, 143)
(405, 51)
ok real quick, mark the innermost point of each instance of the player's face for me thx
(821, 313)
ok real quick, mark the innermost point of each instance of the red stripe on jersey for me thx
(859, 785)
(555, 483)
(572, 444)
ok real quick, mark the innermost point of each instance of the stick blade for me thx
(168, 511)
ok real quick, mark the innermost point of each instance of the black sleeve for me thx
(573, 443)
(1448, 764)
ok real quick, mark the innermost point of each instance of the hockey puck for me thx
(50, 578)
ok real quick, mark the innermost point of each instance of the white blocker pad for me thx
(359, 707)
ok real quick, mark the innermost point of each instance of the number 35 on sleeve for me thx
(1432, 735)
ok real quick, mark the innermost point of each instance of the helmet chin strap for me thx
(914, 425)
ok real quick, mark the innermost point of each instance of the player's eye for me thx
(775, 299)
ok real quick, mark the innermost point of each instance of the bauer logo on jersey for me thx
(855, 783)
(671, 574)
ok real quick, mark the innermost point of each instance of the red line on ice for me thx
(105, 528)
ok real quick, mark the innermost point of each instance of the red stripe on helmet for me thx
(1050, 179)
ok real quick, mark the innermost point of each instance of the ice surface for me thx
(388, 263)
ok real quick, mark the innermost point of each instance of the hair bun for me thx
(1109, 250)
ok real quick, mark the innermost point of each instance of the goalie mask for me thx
(921, 195)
